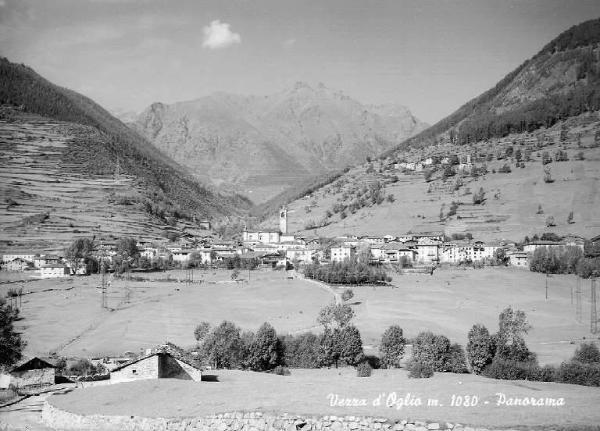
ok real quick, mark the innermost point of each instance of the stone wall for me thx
(237, 421)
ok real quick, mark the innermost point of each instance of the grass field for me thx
(452, 300)
(66, 315)
(306, 392)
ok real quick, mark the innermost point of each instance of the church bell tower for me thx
(283, 220)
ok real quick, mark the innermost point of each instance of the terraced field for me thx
(48, 198)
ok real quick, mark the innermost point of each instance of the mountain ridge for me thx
(262, 145)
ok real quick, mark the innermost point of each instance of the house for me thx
(158, 364)
(393, 252)
(533, 246)
(342, 252)
(374, 240)
(27, 257)
(29, 372)
(149, 252)
(182, 256)
(519, 259)
(204, 224)
(427, 249)
(17, 264)
(263, 237)
(300, 254)
(54, 271)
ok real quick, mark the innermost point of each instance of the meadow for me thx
(66, 316)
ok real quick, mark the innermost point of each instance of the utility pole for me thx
(546, 286)
(594, 312)
(578, 307)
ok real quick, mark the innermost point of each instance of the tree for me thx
(540, 210)
(548, 175)
(550, 221)
(546, 158)
(430, 349)
(266, 351)
(127, 248)
(392, 347)
(223, 346)
(201, 331)
(570, 218)
(335, 315)
(480, 348)
(479, 197)
(587, 354)
(80, 251)
(302, 351)
(11, 344)
(510, 342)
(329, 353)
(350, 345)
(348, 294)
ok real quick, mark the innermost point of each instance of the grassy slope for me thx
(306, 392)
(511, 216)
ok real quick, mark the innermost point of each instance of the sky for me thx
(431, 56)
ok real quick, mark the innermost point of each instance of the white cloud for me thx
(288, 43)
(218, 35)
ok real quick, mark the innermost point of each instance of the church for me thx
(270, 236)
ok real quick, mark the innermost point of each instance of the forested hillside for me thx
(561, 81)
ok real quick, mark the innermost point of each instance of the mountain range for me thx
(261, 145)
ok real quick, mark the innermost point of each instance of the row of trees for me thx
(565, 260)
(350, 271)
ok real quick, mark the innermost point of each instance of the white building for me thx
(54, 271)
(302, 255)
(342, 252)
(27, 256)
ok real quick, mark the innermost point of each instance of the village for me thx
(278, 248)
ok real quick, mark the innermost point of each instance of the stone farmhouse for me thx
(29, 372)
(157, 364)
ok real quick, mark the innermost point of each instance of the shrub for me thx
(505, 169)
(507, 369)
(579, 373)
(419, 370)
(373, 361)
(281, 371)
(587, 354)
(347, 295)
(364, 369)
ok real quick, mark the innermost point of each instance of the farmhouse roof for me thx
(161, 350)
(546, 243)
(53, 265)
(31, 364)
